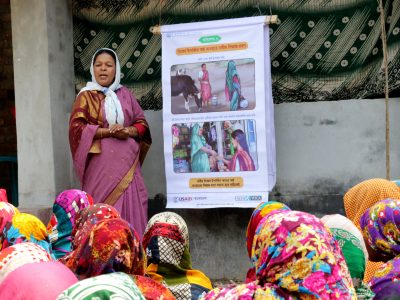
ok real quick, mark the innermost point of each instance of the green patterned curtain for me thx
(321, 50)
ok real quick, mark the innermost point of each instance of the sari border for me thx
(113, 197)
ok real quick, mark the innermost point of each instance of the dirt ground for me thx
(217, 80)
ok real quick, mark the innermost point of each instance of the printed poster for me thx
(218, 120)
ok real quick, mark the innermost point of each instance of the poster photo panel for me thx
(213, 86)
(214, 146)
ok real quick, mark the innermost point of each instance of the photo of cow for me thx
(214, 86)
(219, 146)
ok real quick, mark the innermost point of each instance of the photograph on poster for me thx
(226, 85)
(221, 146)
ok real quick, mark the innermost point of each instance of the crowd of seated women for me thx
(87, 251)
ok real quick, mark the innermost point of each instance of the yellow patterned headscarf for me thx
(361, 197)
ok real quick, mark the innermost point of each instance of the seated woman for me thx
(108, 286)
(85, 220)
(361, 197)
(67, 204)
(112, 245)
(354, 250)
(25, 228)
(117, 286)
(166, 241)
(37, 281)
(263, 209)
(381, 230)
(18, 255)
(295, 257)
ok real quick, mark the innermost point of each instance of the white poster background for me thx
(256, 184)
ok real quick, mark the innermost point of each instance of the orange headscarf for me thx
(361, 197)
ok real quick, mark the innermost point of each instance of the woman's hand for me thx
(118, 131)
(115, 128)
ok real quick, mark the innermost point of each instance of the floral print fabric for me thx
(380, 225)
(151, 289)
(295, 251)
(295, 257)
(25, 228)
(111, 246)
(263, 209)
(90, 216)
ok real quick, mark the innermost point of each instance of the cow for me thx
(184, 84)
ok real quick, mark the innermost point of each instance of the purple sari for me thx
(102, 164)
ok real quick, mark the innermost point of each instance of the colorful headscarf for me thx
(263, 209)
(354, 250)
(25, 228)
(361, 197)
(247, 291)
(295, 251)
(390, 291)
(40, 281)
(151, 289)
(295, 257)
(20, 254)
(365, 194)
(108, 286)
(166, 240)
(351, 242)
(7, 212)
(65, 208)
(111, 246)
(381, 226)
(388, 273)
(88, 217)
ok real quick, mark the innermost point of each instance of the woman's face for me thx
(235, 143)
(104, 69)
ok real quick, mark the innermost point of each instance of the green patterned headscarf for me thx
(109, 286)
(354, 251)
(352, 243)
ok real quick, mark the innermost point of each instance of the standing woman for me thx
(205, 86)
(109, 138)
(232, 86)
(199, 151)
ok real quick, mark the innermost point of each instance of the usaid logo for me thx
(248, 198)
(182, 199)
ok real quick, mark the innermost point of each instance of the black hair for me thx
(107, 51)
(203, 65)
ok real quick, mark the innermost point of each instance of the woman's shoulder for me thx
(87, 93)
(125, 92)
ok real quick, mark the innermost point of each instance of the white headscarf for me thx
(112, 105)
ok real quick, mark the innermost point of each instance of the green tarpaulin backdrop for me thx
(321, 50)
